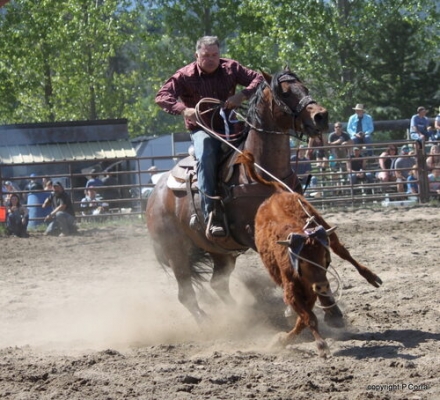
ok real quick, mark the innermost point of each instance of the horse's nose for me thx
(321, 119)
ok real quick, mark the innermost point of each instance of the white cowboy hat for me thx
(359, 107)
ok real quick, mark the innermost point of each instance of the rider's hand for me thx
(235, 100)
(190, 115)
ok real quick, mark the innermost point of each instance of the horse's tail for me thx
(246, 158)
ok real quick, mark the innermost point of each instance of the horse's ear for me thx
(287, 68)
(267, 77)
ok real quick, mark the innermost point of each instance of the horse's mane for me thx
(246, 158)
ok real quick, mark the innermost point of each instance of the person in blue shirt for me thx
(419, 125)
(437, 126)
(360, 127)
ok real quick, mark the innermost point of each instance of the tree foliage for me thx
(83, 59)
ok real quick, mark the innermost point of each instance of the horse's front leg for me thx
(223, 267)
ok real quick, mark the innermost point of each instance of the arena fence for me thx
(333, 188)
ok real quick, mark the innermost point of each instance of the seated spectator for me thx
(62, 218)
(434, 181)
(413, 176)
(437, 126)
(385, 162)
(319, 155)
(401, 166)
(91, 204)
(94, 178)
(356, 168)
(339, 138)
(302, 166)
(433, 160)
(17, 218)
(419, 125)
(360, 127)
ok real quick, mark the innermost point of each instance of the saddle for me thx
(186, 169)
(183, 178)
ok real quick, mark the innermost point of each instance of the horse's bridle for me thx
(303, 102)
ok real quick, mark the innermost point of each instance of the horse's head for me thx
(293, 106)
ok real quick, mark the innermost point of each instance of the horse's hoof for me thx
(323, 349)
(279, 341)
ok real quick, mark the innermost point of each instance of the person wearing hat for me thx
(437, 126)
(360, 127)
(419, 125)
(402, 166)
(62, 218)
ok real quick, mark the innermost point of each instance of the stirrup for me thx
(213, 229)
(194, 222)
(217, 231)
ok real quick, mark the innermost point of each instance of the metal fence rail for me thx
(333, 188)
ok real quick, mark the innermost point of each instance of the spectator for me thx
(402, 166)
(17, 218)
(360, 127)
(48, 185)
(302, 166)
(356, 168)
(434, 181)
(11, 187)
(62, 217)
(413, 176)
(319, 154)
(419, 125)
(437, 126)
(433, 160)
(91, 204)
(385, 162)
(94, 178)
(33, 184)
(339, 138)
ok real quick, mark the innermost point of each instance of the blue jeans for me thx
(354, 179)
(62, 221)
(207, 151)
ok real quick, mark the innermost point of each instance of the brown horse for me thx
(281, 105)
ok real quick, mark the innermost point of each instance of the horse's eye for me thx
(285, 95)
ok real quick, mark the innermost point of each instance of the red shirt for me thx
(190, 84)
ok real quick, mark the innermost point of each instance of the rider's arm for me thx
(167, 97)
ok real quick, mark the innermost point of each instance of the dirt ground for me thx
(95, 317)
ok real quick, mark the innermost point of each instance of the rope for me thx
(219, 137)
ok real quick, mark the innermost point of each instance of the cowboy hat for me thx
(359, 107)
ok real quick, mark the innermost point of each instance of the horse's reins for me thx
(216, 135)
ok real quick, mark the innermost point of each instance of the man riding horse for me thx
(213, 77)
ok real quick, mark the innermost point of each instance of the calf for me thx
(293, 241)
